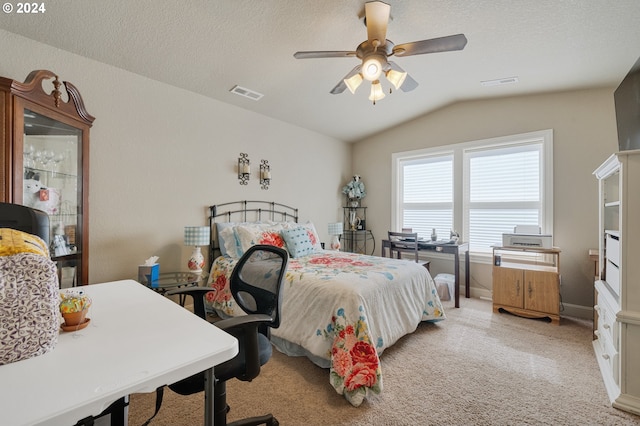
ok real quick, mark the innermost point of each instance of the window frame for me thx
(435, 205)
(461, 175)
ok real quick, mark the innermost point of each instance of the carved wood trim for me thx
(32, 89)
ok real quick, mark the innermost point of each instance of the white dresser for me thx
(617, 304)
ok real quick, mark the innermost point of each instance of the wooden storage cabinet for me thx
(44, 155)
(617, 287)
(533, 290)
(526, 285)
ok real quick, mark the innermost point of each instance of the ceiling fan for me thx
(375, 51)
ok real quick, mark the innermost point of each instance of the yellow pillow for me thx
(13, 242)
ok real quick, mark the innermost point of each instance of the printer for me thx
(527, 236)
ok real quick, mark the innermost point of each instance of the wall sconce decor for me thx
(244, 168)
(265, 174)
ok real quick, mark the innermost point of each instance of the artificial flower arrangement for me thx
(74, 307)
(354, 190)
(72, 302)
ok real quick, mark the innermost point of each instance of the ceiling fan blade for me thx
(409, 83)
(324, 54)
(377, 17)
(434, 45)
(340, 87)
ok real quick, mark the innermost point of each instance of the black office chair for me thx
(25, 219)
(405, 242)
(256, 285)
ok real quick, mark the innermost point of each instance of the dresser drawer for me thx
(613, 276)
(609, 355)
(613, 249)
(607, 324)
(607, 336)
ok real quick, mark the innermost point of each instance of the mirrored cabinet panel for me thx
(45, 156)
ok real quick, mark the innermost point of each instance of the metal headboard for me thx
(246, 211)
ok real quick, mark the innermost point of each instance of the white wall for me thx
(584, 131)
(160, 155)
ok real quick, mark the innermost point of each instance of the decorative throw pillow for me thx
(313, 235)
(250, 235)
(311, 230)
(227, 239)
(298, 241)
(13, 241)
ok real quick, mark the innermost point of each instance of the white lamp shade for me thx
(335, 228)
(353, 82)
(197, 235)
(396, 78)
(376, 91)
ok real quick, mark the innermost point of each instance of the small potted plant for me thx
(74, 307)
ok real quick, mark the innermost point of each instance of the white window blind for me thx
(427, 195)
(503, 189)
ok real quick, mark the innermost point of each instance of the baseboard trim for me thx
(570, 310)
(577, 311)
(479, 293)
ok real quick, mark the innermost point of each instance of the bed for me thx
(341, 310)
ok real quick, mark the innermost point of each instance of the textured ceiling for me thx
(208, 46)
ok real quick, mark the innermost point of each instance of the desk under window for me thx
(453, 249)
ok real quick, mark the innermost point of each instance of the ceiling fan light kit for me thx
(376, 92)
(372, 66)
(396, 78)
(375, 51)
(353, 82)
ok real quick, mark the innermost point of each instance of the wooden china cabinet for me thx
(44, 155)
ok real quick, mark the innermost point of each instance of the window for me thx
(482, 189)
(427, 206)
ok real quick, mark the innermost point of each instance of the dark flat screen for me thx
(627, 102)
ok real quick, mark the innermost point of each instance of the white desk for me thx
(137, 341)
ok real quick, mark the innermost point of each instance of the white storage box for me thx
(445, 285)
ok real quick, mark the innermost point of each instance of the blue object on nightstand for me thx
(149, 274)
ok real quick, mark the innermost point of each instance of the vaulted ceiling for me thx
(209, 46)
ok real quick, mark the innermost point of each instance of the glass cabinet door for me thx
(52, 182)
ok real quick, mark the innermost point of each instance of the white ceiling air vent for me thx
(500, 81)
(242, 91)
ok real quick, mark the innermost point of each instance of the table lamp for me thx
(335, 230)
(196, 236)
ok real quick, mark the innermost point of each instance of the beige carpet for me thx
(475, 368)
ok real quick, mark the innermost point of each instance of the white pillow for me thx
(260, 233)
(227, 240)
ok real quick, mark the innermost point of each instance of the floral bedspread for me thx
(342, 310)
